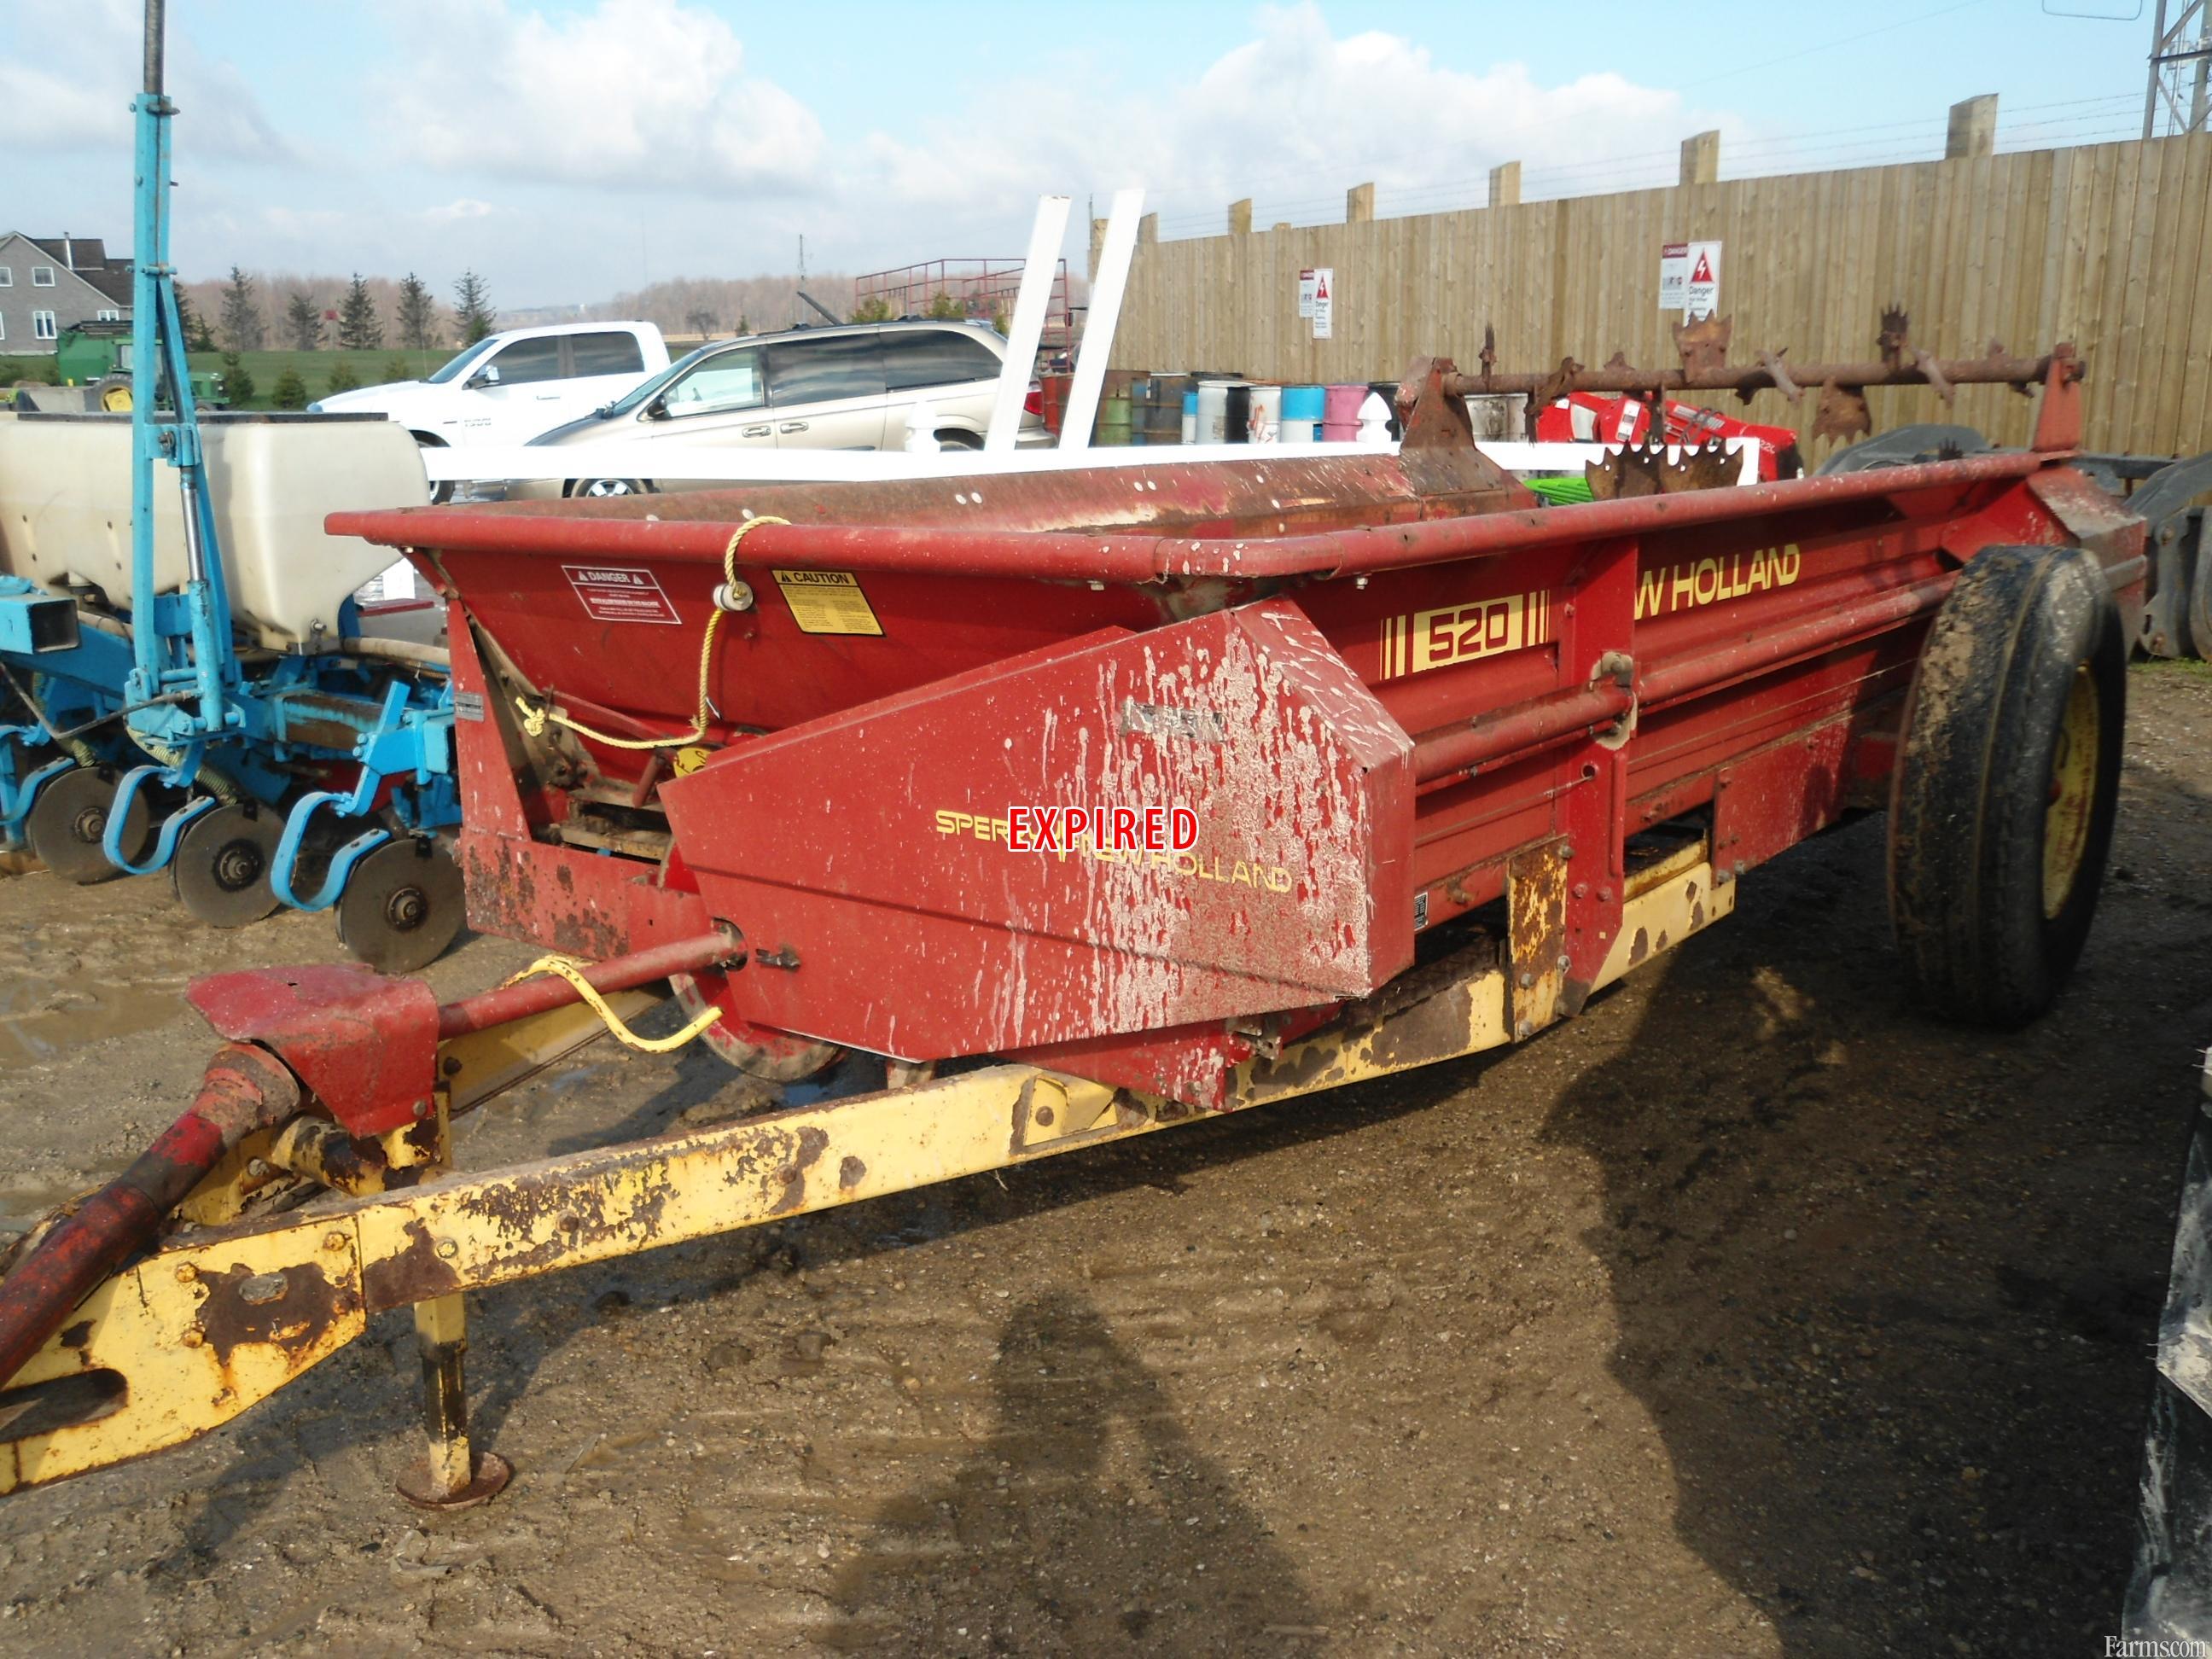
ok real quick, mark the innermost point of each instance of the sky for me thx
(572, 150)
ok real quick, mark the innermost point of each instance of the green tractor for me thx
(96, 355)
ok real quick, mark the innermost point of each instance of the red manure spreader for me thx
(1376, 760)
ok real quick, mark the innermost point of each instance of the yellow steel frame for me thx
(194, 1335)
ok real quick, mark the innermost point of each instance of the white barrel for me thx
(1297, 431)
(1213, 412)
(1266, 414)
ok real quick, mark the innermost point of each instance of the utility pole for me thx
(2177, 58)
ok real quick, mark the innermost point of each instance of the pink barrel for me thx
(1339, 420)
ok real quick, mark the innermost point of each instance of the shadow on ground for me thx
(1887, 1287)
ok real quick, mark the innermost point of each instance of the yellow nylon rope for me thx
(534, 720)
(572, 969)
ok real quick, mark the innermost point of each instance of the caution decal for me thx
(827, 602)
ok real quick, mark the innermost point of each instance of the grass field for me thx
(267, 367)
(314, 368)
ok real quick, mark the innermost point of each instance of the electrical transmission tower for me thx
(2180, 65)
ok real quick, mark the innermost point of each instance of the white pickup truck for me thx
(509, 387)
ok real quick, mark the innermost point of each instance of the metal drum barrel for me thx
(1155, 409)
(1340, 415)
(1303, 410)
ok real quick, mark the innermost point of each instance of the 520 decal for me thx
(1460, 633)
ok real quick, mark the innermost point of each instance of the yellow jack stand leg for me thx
(448, 1476)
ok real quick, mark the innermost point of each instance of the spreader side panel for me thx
(874, 846)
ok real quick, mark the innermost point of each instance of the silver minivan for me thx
(846, 388)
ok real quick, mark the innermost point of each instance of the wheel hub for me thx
(239, 865)
(2073, 795)
(406, 908)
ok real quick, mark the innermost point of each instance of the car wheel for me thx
(958, 438)
(439, 493)
(579, 487)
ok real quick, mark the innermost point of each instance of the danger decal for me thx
(620, 594)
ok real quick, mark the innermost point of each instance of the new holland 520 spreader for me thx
(1456, 762)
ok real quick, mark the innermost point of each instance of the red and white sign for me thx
(1324, 308)
(620, 594)
(1701, 296)
(1673, 275)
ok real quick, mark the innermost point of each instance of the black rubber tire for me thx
(1986, 935)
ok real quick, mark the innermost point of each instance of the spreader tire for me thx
(2007, 779)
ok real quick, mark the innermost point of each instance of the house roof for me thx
(87, 258)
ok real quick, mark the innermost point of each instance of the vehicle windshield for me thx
(460, 366)
(646, 390)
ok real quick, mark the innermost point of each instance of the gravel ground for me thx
(1750, 1313)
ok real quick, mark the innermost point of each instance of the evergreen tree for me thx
(290, 391)
(473, 307)
(418, 313)
(241, 314)
(395, 369)
(342, 379)
(237, 384)
(196, 337)
(360, 329)
(303, 320)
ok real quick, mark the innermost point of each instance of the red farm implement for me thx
(1456, 761)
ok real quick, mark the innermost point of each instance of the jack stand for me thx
(448, 1476)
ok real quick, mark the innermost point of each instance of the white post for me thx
(921, 428)
(1028, 325)
(1374, 423)
(1106, 287)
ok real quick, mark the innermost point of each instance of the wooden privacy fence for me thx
(2108, 246)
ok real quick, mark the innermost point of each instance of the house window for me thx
(42, 326)
(109, 315)
(42, 276)
(3, 327)
(7, 275)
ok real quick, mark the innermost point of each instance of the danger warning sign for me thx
(620, 594)
(1324, 308)
(1701, 296)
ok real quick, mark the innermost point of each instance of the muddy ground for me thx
(1751, 1313)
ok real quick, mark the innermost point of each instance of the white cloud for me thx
(464, 207)
(645, 94)
(82, 102)
(1294, 115)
